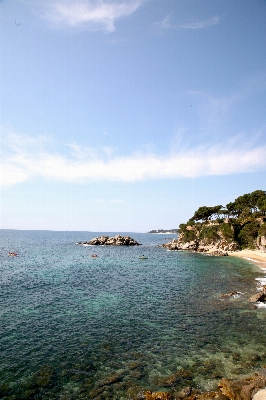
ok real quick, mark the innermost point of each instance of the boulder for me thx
(260, 395)
(242, 389)
(257, 297)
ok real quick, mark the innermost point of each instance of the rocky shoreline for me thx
(216, 248)
(250, 388)
(222, 247)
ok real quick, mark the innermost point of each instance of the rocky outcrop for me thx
(219, 247)
(260, 296)
(242, 389)
(117, 240)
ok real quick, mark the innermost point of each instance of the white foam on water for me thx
(260, 304)
(262, 281)
(238, 294)
(251, 259)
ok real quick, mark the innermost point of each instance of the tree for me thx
(257, 197)
(262, 205)
(205, 213)
(249, 201)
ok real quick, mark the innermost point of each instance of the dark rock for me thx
(109, 380)
(135, 392)
(95, 392)
(168, 380)
(44, 376)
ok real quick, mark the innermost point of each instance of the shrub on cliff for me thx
(209, 233)
(248, 235)
(188, 236)
(262, 230)
(227, 231)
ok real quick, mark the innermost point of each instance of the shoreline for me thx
(256, 256)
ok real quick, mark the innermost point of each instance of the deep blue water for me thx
(76, 327)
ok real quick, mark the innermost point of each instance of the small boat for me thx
(143, 258)
(94, 255)
(12, 254)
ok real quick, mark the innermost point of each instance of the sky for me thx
(128, 115)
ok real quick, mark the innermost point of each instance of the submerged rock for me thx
(117, 240)
(183, 393)
(227, 295)
(149, 395)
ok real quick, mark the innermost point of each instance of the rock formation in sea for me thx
(117, 240)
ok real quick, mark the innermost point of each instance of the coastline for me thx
(256, 256)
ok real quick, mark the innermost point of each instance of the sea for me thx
(113, 326)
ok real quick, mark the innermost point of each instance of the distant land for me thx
(163, 231)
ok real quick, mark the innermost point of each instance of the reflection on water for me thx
(76, 327)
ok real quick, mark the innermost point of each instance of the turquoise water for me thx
(76, 327)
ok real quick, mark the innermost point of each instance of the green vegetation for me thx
(209, 233)
(242, 221)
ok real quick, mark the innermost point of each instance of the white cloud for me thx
(166, 23)
(29, 158)
(93, 14)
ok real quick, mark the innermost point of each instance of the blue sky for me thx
(129, 115)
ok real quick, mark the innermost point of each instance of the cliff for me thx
(218, 230)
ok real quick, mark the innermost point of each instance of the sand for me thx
(256, 256)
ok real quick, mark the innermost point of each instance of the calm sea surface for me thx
(77, 327)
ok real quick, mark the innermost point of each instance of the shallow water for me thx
(76, 327)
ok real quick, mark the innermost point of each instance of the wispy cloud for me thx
(167, 24)
(29, 158)
(92, 14)
(214, 112)
(200, 24)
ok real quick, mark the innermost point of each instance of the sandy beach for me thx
(256, 256)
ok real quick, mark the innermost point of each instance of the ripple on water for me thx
(76, 326)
